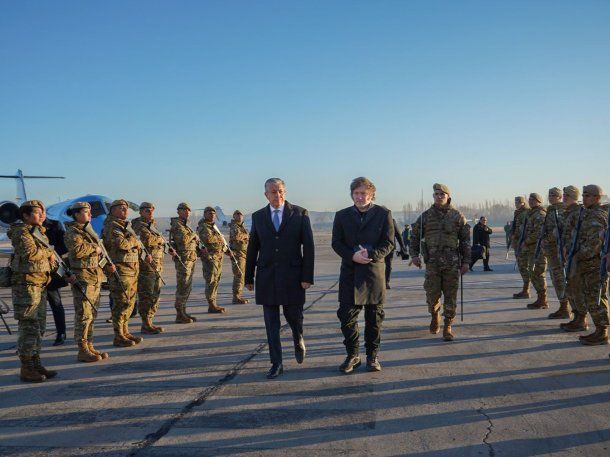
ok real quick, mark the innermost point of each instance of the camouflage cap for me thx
(184, 205)
(441, 187)
(519, 199)
(572, 191)
(592, 189)
(79, 205)
(209, 209)
(119, 202)
(237, 212)
(145, 205)
(536, 197)
(556, 191)
(33, 204)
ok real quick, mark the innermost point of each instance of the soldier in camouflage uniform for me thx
(446, 249)
(536, 267)
(519, 218)
(238, 242)
(84, 255)
(124, 251)
(149, 283)
(588, 258)
(211, 257)
(184, 240)
(571, 194)
(31, 264)
(550, 246)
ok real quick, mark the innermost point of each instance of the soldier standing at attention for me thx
(588, 258)
(149, 284)
(555, 216)
(536, 267)
(31, 264)
(446, 254)
(211, 257)
(519, 218)
(84, 254)
(124, 251)
(238, 242)
(184, 241)
(571, 194)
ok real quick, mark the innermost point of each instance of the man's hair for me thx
(362, 181)
(271, 181)
(26, 211)
(482, 217)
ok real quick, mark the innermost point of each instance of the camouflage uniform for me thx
(519, 220)
(84, 263)
(588, 260)
(573, 289)
(184, 241)
(238, 242)
(149, 284)
(536, 268)
(124, 251)
(212, 260)
(550, 249)
(447, 242)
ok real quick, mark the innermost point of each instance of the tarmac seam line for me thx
(152, 438)
(490, 427)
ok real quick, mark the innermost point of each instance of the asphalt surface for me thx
(511, 384)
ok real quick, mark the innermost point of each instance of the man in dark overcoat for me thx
(363, 235)
(280, 263)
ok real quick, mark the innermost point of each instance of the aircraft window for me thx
(96, 209)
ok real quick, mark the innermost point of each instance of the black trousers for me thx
(373, 318)
(57, 308)
(388, 266)
(294, 317)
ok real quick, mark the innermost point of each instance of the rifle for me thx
(3, 310)
(461, 289)
(539, 242)
(63, 270)
(510, 237)
(603, 269)
(106, 260)
(226, 248)
(145, 252)
(521, 241)
(574, 245)
(172, 245)
(559, 242)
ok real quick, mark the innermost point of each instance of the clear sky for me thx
(203, 100)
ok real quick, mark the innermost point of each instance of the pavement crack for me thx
(490, 427)
(208, 392)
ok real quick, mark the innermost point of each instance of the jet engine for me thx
(9, 213)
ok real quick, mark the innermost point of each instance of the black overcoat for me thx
(280, 259)
(363, 284)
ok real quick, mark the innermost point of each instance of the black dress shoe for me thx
(387, 286)
(487, 269)
(351, 362)
(59, 339)
(276, 370)
(300, 351)
(372, 364)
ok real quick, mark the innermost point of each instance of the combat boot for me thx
(237, 300)
(191, 317)
(447, 335)
(597, 338)
(214, 309)
(563, 312)
(103, 355)
(158, 328)
(85, 354)
(129, 336)
(42, 370)
(525, 293)
(577, 324)
(147, 327)
(29, 373)
(119, 338)
(181, 317)
(435, 323)
(540, 302)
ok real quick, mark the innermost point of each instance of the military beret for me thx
(119, 202)
(441, 187)
(145, 205)
(208, 209)
(572, 191)
(79, 205)
(592, 189)
(556, 191)
(184, 205)
(520, 199)
(237, 212)
(536, 197)
(33, 204)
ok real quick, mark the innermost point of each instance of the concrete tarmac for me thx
(511, 384)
